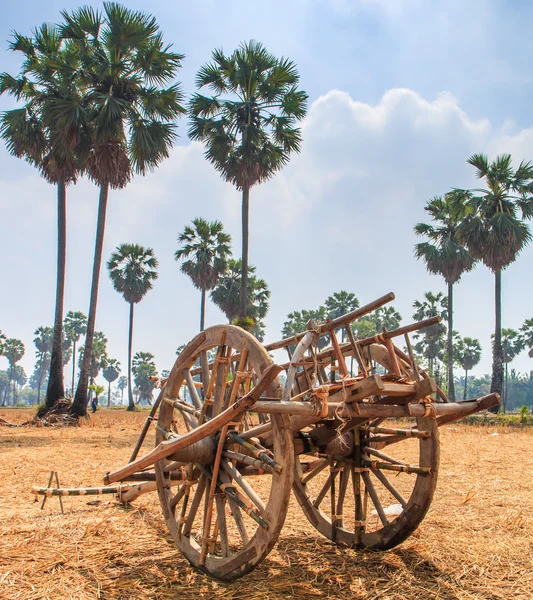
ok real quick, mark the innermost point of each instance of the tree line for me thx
(99, 99)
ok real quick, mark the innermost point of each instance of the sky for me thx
(401, 93)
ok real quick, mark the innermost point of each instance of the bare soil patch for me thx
(476, 541)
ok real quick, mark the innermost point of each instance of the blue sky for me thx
(401, 93)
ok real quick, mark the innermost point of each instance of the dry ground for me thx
(476, 542)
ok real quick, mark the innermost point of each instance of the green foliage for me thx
(205, 249)
(97, 389)
(75, 325)
(143, 368)
(523, 412)
(2, 342)
(98, 354)
(124, 64)
(443, 254)
(249, 124)
(132, 269)
(431, 340)
(111, 370)
(246, 323)
(227, 292)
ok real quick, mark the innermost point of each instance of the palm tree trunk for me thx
(14, 385)
(497, 358)
(202, 311)
(506, 388)
(79, 405)
(108, 394)
(56, 387)
(466, 383)
(73, 365)
(131, 403)
(451, 387)
(244, 272)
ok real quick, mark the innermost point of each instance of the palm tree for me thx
(111, 373)
(144, 368)
(339, 304)
(132, 269)
(226, 295)
(98, 391)
(122, 384)
(386, 317)
(2, 342)
(125, 65)
(75, 326)
(493, 228)
(13, 350)
(33, 132)
(445, 256)
(468, 355)
(43, 341)
(526, 332)
(98, 359)
(206, 247)
(431, 343)
(512, 345)
(249, 124)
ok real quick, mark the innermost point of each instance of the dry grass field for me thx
(476, 541)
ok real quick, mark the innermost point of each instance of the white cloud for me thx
(339, 216)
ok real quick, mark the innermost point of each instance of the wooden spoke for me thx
(381, 477)
(374, 497)
(245, 486)
(314, 472)
(383, 456)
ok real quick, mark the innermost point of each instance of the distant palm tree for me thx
(122, 384)
(445, 256)
(2, 343)
(431, 343)
(526, 333)
(226, 295)
(98, 356)
(339, 304)
(44, 337)
(512, 345)
(206, 247)
(468, 355)
(125, 63)
(34, 133)
(493, 228)
(111, 373)
(144, 368)
(75, 326)
(249, 124)
(132, 269)
(13, 350)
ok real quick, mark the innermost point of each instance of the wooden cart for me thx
(350, 426)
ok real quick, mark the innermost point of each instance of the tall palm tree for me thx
(249, 124)
(468, 355)
(75, 326)
(493, 228)
(206, 247)
(111, 373)
(431, 343)
(43, 341)
(132, 269)
(124, 66)
(13, 350)
(445, 256)
(46, 83)
(226, 294)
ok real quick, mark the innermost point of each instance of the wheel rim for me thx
(240, 535)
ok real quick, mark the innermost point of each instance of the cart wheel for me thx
(227, 527)
(364, 493)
